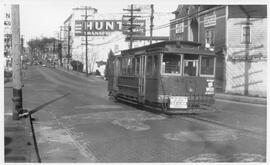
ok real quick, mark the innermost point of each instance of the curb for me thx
(221, 96)
(81, 75)
(244, 99)
(19, 147)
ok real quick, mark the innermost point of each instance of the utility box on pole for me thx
(16, 65)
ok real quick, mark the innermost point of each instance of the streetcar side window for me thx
(155, 65)
(130, 66)
(137, 65)
(171, 63)
(122, 65)
(207, 65)
(149, 65)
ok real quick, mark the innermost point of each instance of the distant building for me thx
(237, 34)
(105, 33)
(7, 38)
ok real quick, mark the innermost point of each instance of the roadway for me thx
(77, 122)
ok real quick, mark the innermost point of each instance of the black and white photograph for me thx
(134, 81)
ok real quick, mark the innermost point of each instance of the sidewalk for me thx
(81, 75)
(19, 146)
(221, 96)
(239, 98)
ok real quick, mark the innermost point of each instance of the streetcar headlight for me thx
(190, 90)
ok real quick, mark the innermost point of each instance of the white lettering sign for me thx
(210, 20)
(97, 27)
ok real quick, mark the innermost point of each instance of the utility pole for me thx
(151, 23)
(16, 65)
(86, 8)
(131, 26)
(54, 52)
(60, 49)
(69, 56)
(247, 52)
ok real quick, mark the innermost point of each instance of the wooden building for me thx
(237, 34)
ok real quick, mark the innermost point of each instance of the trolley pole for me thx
(151, 23)
(16, 66)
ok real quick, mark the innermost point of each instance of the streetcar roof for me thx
(181, 47)
(193, 51)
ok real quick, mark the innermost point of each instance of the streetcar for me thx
(170, 76)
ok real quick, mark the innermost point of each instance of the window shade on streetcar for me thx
(155, 65)
(149, 65)
(130, 66)
(137, 66)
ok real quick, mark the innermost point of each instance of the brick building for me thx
(237, 34)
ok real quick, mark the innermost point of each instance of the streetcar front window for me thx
(191, 64)
(207, 65)
(171, 63)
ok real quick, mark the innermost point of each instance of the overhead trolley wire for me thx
(179, 20)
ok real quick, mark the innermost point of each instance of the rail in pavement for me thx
(222, 96)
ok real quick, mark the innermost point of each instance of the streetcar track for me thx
(85, 151)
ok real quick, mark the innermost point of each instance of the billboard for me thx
(97, 27)
(138, 27)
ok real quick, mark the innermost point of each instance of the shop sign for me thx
(139, 27)
(210, 20)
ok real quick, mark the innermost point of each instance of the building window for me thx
(179, 28)
(210, 36)
(246, 34)
(180, 37)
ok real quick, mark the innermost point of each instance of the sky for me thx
(44, 17)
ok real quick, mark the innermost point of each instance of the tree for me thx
(110, 56)
(77, 65)
(38, 46)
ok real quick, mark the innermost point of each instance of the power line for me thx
(179, 20)
(182, 19)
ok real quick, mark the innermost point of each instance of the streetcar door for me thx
(141, 89)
